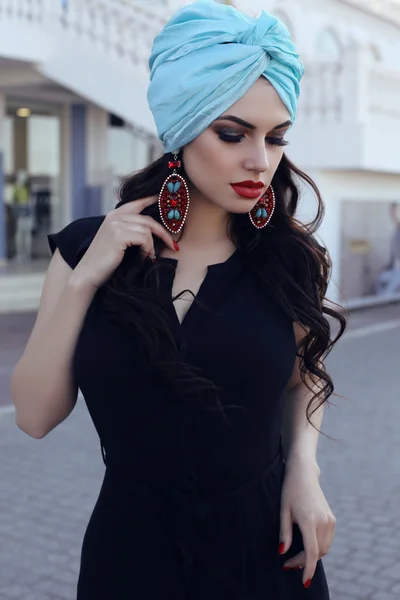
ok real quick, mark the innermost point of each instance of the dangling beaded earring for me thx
(174, 200)
(262, 213)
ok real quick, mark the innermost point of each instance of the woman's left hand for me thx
(303, 502)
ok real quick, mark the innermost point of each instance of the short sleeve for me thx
(73, 241)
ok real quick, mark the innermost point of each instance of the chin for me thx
(242, 208)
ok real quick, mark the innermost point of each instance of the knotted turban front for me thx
(206, 58)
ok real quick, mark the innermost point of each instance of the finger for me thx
(156, 228)
(133, 234)
(150, 254)
(325, 539)
(147, 249)
(286, 532)
(312, 553)
(296, 561)
(296, 568)
(324, 544)
(136, 206)
(148, 222)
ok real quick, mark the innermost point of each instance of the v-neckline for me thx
(193, 302)
(211, 270)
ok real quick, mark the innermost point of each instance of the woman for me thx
(186, 354)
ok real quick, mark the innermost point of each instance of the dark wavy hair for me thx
(297, 277)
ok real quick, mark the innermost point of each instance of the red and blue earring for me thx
(174, 200)
(262, 213)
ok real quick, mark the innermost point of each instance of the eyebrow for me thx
(250, 125)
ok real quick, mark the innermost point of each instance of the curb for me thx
(370, 302)
(8, 409)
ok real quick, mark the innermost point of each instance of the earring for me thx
(262, 213)
(173, 201)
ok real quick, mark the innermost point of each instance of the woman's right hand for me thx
(122, 228)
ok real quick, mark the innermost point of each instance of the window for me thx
(328, 46)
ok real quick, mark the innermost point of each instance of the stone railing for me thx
(122, 30)
(384, 92)
(363, 92)
(389, 9)
(29, 11)
(321, 99)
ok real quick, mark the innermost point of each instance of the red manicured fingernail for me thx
(287, 568)
(281, 548)
(307, 583)
(176, 246)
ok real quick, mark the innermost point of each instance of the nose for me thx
(257, 159)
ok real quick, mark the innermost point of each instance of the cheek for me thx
(275, 159)
(206, 165)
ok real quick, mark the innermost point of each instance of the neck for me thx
(205, 223)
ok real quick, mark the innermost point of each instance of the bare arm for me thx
(303, 501)
(42, 385)
(299, 438)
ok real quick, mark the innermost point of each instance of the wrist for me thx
(80, 285)
(302, 463)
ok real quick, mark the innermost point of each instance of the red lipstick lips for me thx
(248, 189)
(249, 183)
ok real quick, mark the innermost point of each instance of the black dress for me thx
(190, 502)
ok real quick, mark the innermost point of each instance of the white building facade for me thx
(74, 118)
(346, 135)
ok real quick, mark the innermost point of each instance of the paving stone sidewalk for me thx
(47, 491)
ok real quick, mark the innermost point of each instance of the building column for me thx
(78, 161)
(99, 190)
(65, 213)
(329, 232)
(90, 181)
(20, 144)
(3, 231)
(355, 77)
(86, 175)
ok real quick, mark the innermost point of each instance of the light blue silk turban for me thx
(206, 58)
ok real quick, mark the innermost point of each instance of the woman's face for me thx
(245, 144)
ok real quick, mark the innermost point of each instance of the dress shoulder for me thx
(75, 239)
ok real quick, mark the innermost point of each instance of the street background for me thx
(48, 487)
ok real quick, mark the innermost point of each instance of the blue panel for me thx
(3, 234)
(78, 161)
(94, 199)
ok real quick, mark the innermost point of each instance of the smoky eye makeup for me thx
(231, 136)
(277, 141)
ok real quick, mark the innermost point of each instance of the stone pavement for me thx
(14, 333)
(47, 491)
(48, 488)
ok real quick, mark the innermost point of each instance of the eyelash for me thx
(236, 139)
